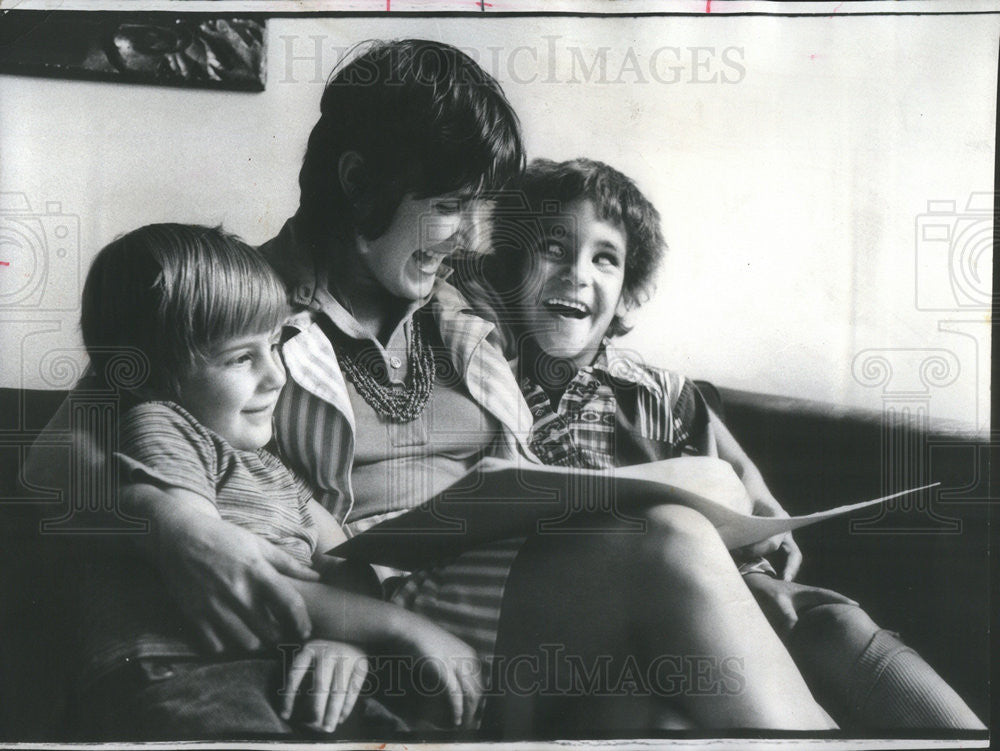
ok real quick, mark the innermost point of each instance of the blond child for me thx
(206, 311)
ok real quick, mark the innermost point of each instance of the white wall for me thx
(791, 187)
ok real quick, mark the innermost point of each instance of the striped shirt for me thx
(314, 420)
(316, 429)
(126, 614)
(163, 443)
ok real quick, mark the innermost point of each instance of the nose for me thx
(577, 271)
(443, 229)
(474, 229)
(273, 372)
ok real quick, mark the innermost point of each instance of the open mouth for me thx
(428, 261)
(562, 306)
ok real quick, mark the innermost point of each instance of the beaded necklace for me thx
(399, 403)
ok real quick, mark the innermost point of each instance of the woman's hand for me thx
(442, 664)
(782, 601)
(338, 673)
(227, 581)
(224, 578)
(454, 664)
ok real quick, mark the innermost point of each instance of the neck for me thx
(553, 374)
(353, 286)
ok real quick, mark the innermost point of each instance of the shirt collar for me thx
(621, 365)
(292, 258)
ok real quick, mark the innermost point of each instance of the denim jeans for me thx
(161, 699)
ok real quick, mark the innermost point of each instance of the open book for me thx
(498, 499)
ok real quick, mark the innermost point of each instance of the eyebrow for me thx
(246, 343)
(610, 245)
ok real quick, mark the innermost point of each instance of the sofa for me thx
(921, 567)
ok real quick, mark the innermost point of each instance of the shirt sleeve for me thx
(692, 434)
(304, 492)
(160, 445)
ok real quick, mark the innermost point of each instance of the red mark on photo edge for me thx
(708, 6)
(4, 263)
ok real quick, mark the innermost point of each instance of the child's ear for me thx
(623, 308)
(355, 182)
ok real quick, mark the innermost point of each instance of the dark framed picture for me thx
(157, 48)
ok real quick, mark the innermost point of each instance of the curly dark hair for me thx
(546, 188)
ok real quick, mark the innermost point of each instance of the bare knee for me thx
(684, 530)
(837, 627)
(681, 524)
(838, 617)
(683, 544)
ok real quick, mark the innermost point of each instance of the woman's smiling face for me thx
(405, 259)
(575, 284)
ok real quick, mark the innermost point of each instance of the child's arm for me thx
(387, 629)
(782, 601)
(764, 503)
(338, 673)
(329, 534)
(223, 577)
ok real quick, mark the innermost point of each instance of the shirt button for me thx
(395, 362)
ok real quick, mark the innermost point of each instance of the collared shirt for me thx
(315, 422)
(617, 412)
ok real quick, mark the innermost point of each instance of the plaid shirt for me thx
(590, 427)
(314, 421)
(618, 412)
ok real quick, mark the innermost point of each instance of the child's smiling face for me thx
(235, 391)
(575, 284)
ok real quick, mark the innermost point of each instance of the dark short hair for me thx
(173, 291)
(543, 193)
(425, 117)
